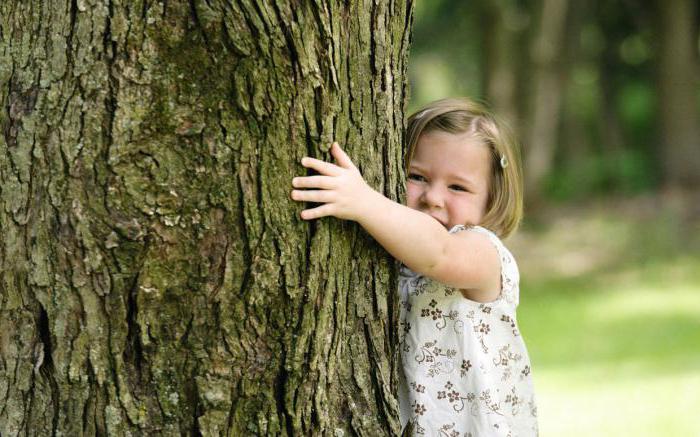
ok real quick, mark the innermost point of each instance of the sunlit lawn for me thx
(616, 346)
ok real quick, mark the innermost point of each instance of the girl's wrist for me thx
(370, 206)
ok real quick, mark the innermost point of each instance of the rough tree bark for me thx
(155, 276)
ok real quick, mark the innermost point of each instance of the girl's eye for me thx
(416, 177)
(458, 188)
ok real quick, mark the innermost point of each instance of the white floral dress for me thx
(466, 371)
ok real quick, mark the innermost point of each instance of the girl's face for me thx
(448, 178)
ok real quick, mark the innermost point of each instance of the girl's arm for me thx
(465, 260)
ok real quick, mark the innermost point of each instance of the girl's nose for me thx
(432, 197)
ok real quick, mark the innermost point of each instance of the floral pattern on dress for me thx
(466, 371)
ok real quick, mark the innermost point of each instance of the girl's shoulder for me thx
(476, 228)
(415, 284)
(510, 276)
(495, 240)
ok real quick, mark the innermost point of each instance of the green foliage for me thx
(446, 44)
(623, 172)
(608, 140)
(636, 106)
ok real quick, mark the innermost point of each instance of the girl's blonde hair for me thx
(504, 208)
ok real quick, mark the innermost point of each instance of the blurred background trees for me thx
(604, 94)
(604, 97)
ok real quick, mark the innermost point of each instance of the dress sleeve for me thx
(510, 276)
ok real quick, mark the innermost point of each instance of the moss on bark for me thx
(156, 278)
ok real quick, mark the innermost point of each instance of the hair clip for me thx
(504, 161)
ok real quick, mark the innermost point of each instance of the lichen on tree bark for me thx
(155, 275)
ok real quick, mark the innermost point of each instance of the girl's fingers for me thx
(341, 157)
(319, 196)
(323, 167)
(322, 182)
(318, 212)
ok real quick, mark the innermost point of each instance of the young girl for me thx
(466, 371)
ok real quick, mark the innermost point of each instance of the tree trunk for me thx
(678, 94)
(575, 139)
(504, 26)
(156, 278)
(547, 95)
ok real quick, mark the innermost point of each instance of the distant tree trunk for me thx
(678, 93)
(504, 25)
(155, 276)
(546, 95)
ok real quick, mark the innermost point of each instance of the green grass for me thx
(615, 347)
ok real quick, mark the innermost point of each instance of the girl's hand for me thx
(341, 188)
